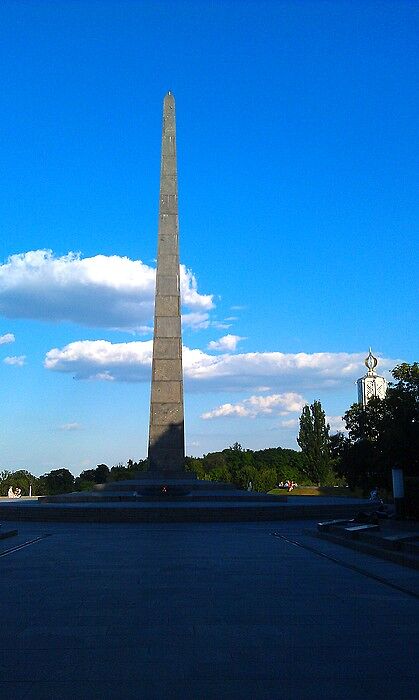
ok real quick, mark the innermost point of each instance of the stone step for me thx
(402, 548)
(4, 534)
(207, 511)
(117, 497)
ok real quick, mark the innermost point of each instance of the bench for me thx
(329, 524)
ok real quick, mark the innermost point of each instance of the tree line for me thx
(382, 435)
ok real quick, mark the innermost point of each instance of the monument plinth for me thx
(166, 445)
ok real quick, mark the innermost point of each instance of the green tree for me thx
(196, 466)
(265, 480)
(101, 474)
(384, 433)
(21, 479)
(314, 441)
(56, 481)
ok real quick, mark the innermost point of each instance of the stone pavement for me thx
(201, 611)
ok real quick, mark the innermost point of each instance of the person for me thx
(14, 494)
(250, 486)
(374, 497)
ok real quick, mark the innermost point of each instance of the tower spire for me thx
(166, 448)
(371, 385)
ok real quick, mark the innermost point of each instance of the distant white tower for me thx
(371, 386)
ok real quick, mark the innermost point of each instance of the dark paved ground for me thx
(201, 611)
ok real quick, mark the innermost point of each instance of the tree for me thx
(314, 441)
(384, 433)
(21, 479)
(56, 482)
(399, 430)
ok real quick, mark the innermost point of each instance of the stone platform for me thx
(204, 502)
(178, 490)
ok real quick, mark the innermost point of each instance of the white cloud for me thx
(226, 343)
(17, 361)
(220, 325)
(196, 320)
(289, 423)
(101, 291)
(257, 405)
(337, 424)
(7, 338)
(102, 360)
(227, 409)
(293, 372)
(69, 427)
(302, 372)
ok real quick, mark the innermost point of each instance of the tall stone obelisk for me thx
(166, 447)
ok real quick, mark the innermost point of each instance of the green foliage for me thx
(55, 482)
(239, 466)
(265, 480)
(83, 484)
(314, 441)
(384, 434)
(195, 465)
(119, 472)
(100, 475)
(21, 479)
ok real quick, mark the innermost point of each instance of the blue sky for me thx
(297, 161)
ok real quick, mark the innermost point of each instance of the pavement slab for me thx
(207, 611)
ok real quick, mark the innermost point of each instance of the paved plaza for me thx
(201, 611)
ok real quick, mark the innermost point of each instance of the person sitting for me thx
(14, 494)
(374, 497)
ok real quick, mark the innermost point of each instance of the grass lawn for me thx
(342, 491)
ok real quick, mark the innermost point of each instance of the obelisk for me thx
(166, 447)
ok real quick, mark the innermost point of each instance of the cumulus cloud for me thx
(196, 320)
(101, 291)
(103, 360)
(227, 343)
(69, 427)
(337, 424)
(17, 360)
(257, 405)
(7, 338)
(285, 371)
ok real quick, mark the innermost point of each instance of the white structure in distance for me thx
(371, 385)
